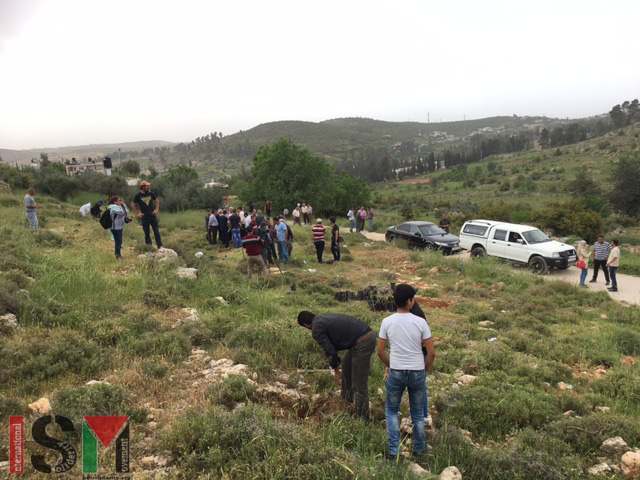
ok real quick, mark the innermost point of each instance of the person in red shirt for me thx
(252, 243)
(318, 238)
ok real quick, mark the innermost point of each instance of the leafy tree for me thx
(14, 177)
(544, 137)
(584, 184)
(180, 175)
(625, 196)
(131, 166)
(287, 174)
(617, 116)
(570, 218)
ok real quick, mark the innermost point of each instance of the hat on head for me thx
(145, 184)
(100, 202)
(298, 205)
(319, 220)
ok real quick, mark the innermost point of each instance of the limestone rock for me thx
(96, 382)
(603, 409)
(185, 272)
(5, 188)
(221, 300)
(417, 470)
(434, 270)
(569, 413)
(8, 323)
(450, 473)
(286, 395)
(600, 469)
(486, 323)
(564, 386)
(406, 425)
(630, 465)
(466, 379)
(42, 406)
(218, 370)
(191, 314)
(199, 255)
(164, 254)
(614, 446)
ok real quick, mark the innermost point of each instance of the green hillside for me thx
(536, 403)
(532, 177)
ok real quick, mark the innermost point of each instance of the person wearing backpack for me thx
(118, 213)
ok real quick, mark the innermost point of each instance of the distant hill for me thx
(332, 137)
(22, 157)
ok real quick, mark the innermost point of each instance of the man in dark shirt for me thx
(146, 205)
(234, 226)
(445, 224)
(335, 332)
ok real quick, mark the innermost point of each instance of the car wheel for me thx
(429, 247)
(538, 265)
(478, 252)
(393, 240)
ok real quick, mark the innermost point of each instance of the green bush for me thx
(496, 409)
(47, 355)
(99, 399)
(247, 443)
(231, 391)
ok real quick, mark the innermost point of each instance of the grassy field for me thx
(83, 315)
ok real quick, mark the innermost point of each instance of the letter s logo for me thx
(68, 452)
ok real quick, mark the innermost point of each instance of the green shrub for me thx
(47, 238)
(154, 368)
(247, 443)
(584, 435)
(496, 409)
(231, 391)
(46, 355)
(99, 399)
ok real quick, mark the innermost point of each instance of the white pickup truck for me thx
(521, 244)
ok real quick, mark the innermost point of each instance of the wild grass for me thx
(83, 315)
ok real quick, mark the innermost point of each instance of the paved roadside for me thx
(628, 286)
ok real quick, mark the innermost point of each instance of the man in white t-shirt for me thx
(613, 263)
(406, 369)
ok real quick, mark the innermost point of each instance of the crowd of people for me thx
(357, 219)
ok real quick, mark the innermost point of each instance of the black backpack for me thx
(290, 232)
(105, 219)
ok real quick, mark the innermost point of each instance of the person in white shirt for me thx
(85, 209)
(613, 262)
(296, 215)
(406, 368)
(352, 220)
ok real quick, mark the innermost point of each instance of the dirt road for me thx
(629, 286)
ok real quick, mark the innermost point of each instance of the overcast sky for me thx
(80, 71)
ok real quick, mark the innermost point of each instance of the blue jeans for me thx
(283, 252)
(371, 224)
(614, 280)
(583, 275)
(414, 381)
(117, 238)
(237, 239)
(33, 220)
(352, 225)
